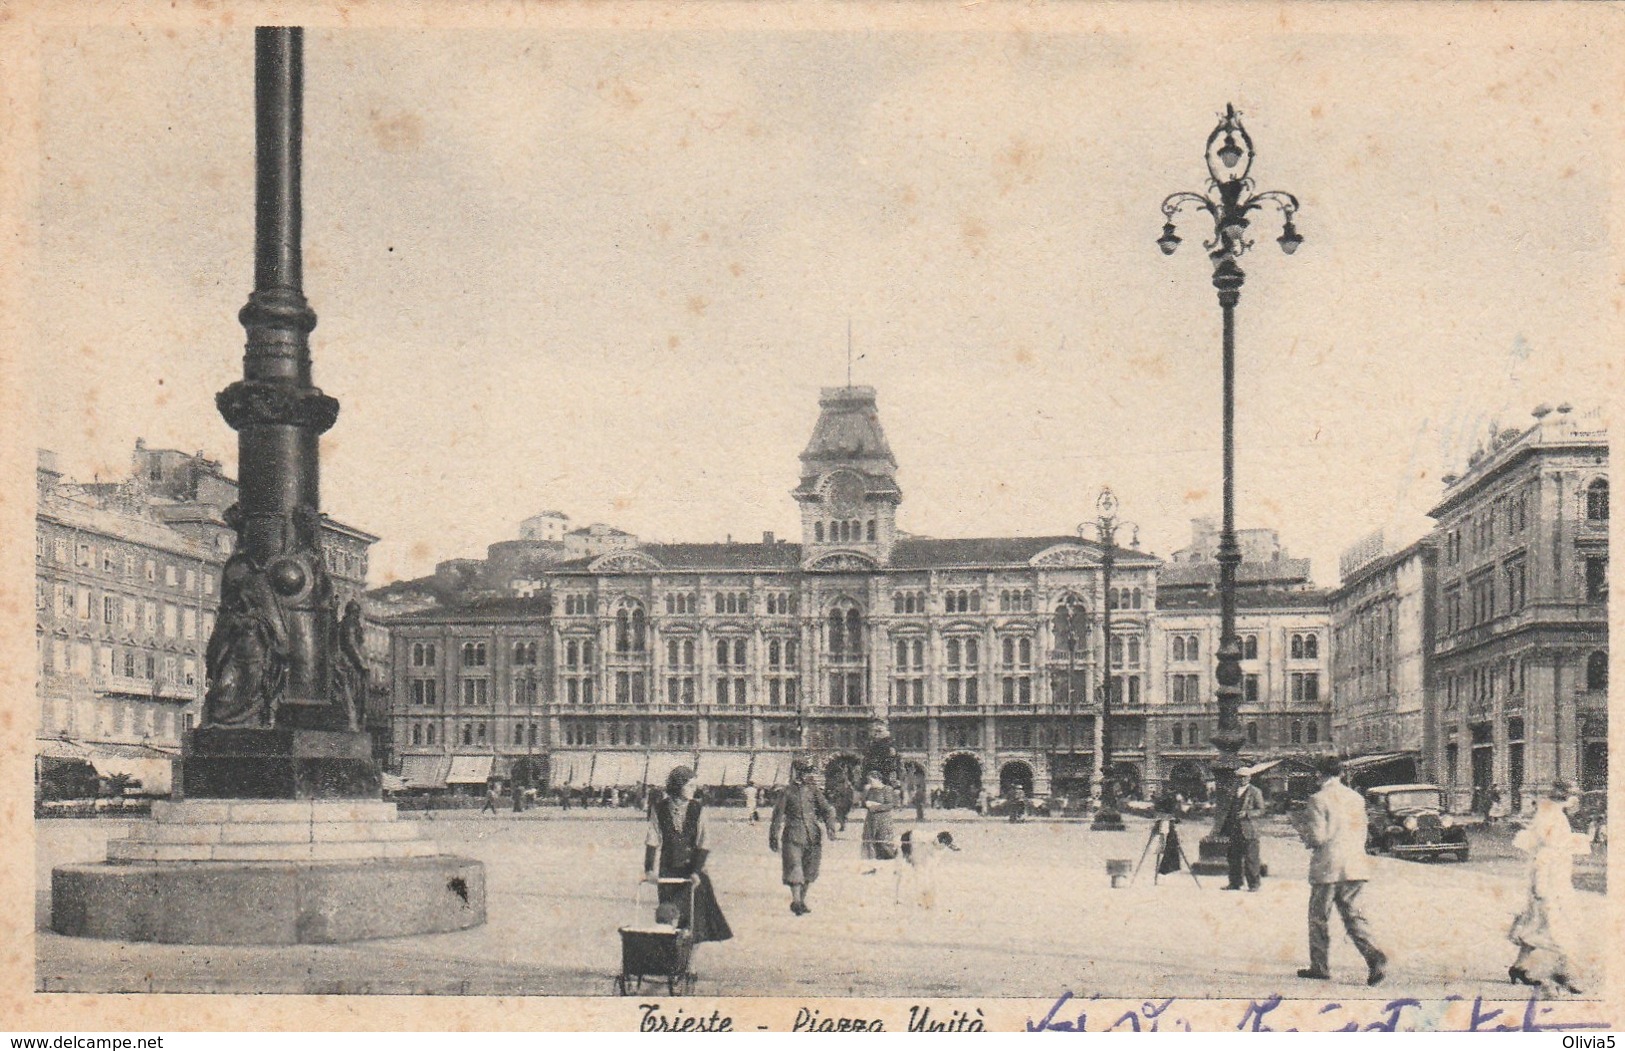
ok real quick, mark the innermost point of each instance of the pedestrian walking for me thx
(800, 817)
(518, 799)
(675, 847)
(492, 796)
(840, 795)
(1334, 828)
(919, 803)
(1238, 823)
(880, 800)
(1545, 929)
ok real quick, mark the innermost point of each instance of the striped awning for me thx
(469, 770)
(619, 769)
(723, 768)
(569, 769)
(770, 768)
(424, 771)
(663, 763)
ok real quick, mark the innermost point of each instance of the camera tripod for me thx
(1164, 836)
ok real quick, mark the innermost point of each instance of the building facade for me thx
(1382, 653)
(1520, 658)
(982, 657)
(127, 579)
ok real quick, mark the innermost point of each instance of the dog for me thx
(917, 863)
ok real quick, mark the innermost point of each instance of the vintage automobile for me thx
(1408, 821)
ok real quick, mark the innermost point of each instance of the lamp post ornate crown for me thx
(1229, 198)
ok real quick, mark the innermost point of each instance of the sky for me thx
(606, 270)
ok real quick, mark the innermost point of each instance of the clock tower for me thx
(848, 491)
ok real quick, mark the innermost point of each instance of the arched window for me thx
(975, 601)
(518, 733)
(1314, 733)
(1297, 647)
(739, 652)
(773, 652)
(854, 631)
(417, 733)
(1134, 653)
(1117, 652)
(1597, 671)
(1179, 647)
(1597, 501)
(1192, 648)
(1249, 647)
(1136, 599)
(468, 734)
(1192, 738)
(818, 532)
(1179, 735)
(428, 737)
(871, 529)
(1311, 647)
(623, 630)
(1009, 651)
(953, 653)
(722, 651)
(972, 653)
(1026, 651)
(1297, 731)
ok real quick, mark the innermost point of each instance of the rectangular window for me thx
(81, 603)
(83, 556)
(189, 671)
(189, 623)
(1249, 688)
(1597, 579)
(191, 580)
(171, 621)
(109, 609)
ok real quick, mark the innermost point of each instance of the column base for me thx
(263, 903)
(1212, 856)
(279, 763)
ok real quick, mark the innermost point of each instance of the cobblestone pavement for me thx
(1022, 910)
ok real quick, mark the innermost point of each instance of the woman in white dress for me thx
(1544, 931)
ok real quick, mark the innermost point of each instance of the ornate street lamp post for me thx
(1229, 198)
(1107, 523)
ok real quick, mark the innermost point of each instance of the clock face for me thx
(845, 493)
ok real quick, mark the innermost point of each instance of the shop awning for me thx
(569, 769)
(662, 763)
(424, 771)
(618, 769)
(61, 748)
(723, 768)
(769, 769)
(1369, 762)
(392, 782)
(469, 770)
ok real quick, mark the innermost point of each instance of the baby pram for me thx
(656, 951)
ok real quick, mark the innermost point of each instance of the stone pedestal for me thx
(279, 763)
(269, 872)
(1213, 856)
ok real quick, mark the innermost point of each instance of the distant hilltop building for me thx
(1264, 562)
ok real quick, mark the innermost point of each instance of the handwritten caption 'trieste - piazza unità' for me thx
(1070, 1013)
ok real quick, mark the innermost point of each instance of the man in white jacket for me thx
(1334, 827)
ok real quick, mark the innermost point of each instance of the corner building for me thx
(1520, 653)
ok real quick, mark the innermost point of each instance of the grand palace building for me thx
(588, 659)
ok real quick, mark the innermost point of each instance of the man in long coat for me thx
(799, 819)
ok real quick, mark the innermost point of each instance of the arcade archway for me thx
(962, 780)
(1014, 775)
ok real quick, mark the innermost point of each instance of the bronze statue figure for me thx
(350, 669)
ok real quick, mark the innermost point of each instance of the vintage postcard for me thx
(810, 517)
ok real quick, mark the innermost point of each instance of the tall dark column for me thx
(286, 683)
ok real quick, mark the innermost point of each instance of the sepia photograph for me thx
(932, 517)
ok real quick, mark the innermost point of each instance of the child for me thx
(668, 915)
